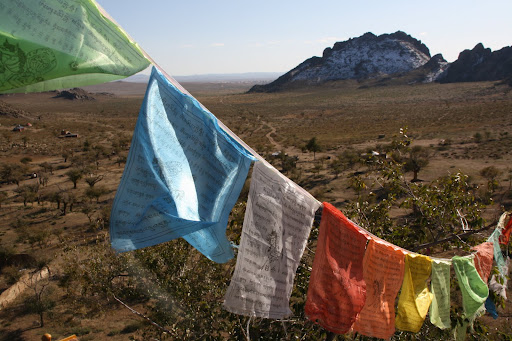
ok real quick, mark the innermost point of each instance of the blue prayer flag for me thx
(491, 307)
(182, 177)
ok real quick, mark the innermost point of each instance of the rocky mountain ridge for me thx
(396, 55)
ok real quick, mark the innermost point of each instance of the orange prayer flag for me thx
(483, 259)
(383, 269)
(337, 290)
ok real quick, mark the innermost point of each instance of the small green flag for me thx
(440, 287)
(474, 292)
(55, 44)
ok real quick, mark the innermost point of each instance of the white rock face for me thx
(363, 58)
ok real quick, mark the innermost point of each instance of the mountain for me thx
(480, 64)
(367, 56)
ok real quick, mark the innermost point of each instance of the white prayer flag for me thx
(276, 227)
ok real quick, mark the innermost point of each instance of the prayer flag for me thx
(383, 269)
(182, 177)
(506, 230)
(337, 290)
(498, 256)
(440, 286)
(483, 259)
(415, 298)
(474, 291)
(491, 307)
(55, 44)
(500, 287)
(277, 224)
(473, 288)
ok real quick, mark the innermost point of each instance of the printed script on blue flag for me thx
(182, 177)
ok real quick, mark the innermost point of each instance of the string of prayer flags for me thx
(182, 177)
(483, 259)
(337, 290)
(55, 44)
(415, 298)
(383, 270)
(440, 287)
(276, 227)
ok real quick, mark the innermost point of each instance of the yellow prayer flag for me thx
(415, 298)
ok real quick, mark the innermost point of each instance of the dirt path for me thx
(270, 138)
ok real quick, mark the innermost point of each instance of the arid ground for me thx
(466, 127)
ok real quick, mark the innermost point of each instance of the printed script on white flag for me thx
(276, 227)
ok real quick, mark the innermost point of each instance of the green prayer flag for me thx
(55, 44)
(440, 288)
(474, 290)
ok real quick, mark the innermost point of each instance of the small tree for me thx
(313, 146)
(88, 209)
(95, 192)
(13, 173)
(418, 159)
(337, 167)
(287, 162)
(74, 175)
(39, 302)
(491, 173)
(93, 179)
(28, 193)
(47, 167)
(66, 154)
(56, 197)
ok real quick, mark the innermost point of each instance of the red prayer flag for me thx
(483, 259)
(337, 290)
(505, 234)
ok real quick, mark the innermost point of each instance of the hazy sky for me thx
(232, 36)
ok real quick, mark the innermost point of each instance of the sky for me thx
(196, 37)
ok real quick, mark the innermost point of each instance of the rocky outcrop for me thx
(480, 64)
(75, 94)
(433, 69)
(368, 56)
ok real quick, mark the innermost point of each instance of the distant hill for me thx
(480, 64)
(395, 58)
(367, 56)
(254, 77)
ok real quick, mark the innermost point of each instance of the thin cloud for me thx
(187, 46)
(423, 34)
(217, 44)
